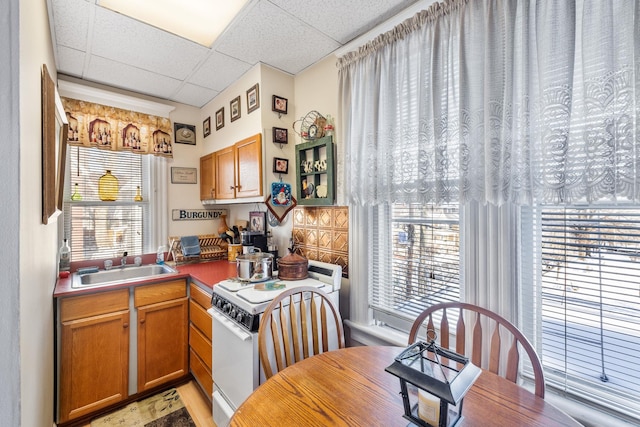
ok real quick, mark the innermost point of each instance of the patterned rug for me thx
(161, 410)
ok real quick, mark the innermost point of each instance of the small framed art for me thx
(185, 134)
(257, 221)
(279, 104)
(234, 106)
(220, 119)
(206, 127)
(280, 165)
(280, 135)
(253, 98)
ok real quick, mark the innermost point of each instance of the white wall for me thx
(38, 242)
(10, 214)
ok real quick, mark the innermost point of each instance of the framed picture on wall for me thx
(253, 98)
(280, 135)
(280, 165)
(279, 104)
(257, 221)
(220, 119)
(206, 127)
(234, 106)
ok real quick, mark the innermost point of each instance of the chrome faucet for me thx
(123, 261)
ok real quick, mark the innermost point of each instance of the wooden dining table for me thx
(350, 387)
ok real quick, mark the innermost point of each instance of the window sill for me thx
(582, 412)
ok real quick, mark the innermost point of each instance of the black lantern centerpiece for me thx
(433, 383)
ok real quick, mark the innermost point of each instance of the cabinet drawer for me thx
(94, 304)
(200, 345)
(201, 319)
(200, 296)
(167, 291)
(201, 373)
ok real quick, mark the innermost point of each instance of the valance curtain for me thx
(496, 101)
(116, 129)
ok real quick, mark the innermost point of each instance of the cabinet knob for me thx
(141, 320)
(125, 325)
(231, 187)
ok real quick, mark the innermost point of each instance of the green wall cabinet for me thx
(315, 172)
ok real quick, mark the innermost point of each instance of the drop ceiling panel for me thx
(219, 71)
(71, 61)
(71, 23)
(131, 78)
(102, 46)
(194, 95)
(270, 35)
(131, 42)
(343, 20)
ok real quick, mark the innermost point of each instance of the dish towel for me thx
(190, 245)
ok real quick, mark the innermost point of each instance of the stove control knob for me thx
(226, 308)
(233, 313)
(239, 317)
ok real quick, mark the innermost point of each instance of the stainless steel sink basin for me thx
(120, 275)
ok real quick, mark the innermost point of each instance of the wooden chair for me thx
(499, 326)
(297, 325)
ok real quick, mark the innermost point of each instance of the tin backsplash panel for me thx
(322, 234)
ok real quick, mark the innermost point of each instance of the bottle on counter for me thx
(64, 257)
(160, 255)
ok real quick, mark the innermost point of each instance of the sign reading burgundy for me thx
(197, 214)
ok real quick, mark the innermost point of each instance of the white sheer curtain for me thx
(495, 102)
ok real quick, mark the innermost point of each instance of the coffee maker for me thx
(253, 239)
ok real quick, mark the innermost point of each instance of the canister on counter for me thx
(233, 251)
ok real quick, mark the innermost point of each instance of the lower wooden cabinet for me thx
(94, 356)
(95, 342)
(200, 358)
(163, 316)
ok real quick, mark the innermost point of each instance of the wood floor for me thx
(196, 404)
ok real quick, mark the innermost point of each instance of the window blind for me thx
(99, 229)
(424, 254)
(590, 301)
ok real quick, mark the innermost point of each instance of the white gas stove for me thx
(243, 302)
(236, 311)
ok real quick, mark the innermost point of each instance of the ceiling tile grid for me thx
(102, 46)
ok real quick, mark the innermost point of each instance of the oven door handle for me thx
(235, 329)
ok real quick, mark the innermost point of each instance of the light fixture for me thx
(201, 21)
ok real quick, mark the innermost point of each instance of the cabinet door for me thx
(162, 342)
(94, 365)
(225, 174)
(249, 167)
(207, 177)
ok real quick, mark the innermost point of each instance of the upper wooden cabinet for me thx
(208, 177)
(237, 170)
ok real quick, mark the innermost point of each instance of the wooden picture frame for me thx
(258, 221)
(279, 104)
(253, 98)
(184, 175)
(280, 165)
(220, 118)
(234, 107)
(184, 134)
(54, 148)
(206, 127)
(280, 135)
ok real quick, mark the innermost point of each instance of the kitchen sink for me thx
(120, 275)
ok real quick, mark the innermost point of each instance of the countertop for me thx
(205, 274)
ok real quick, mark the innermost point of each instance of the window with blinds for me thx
(422, 246)
(589, 287)
(104, 229)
